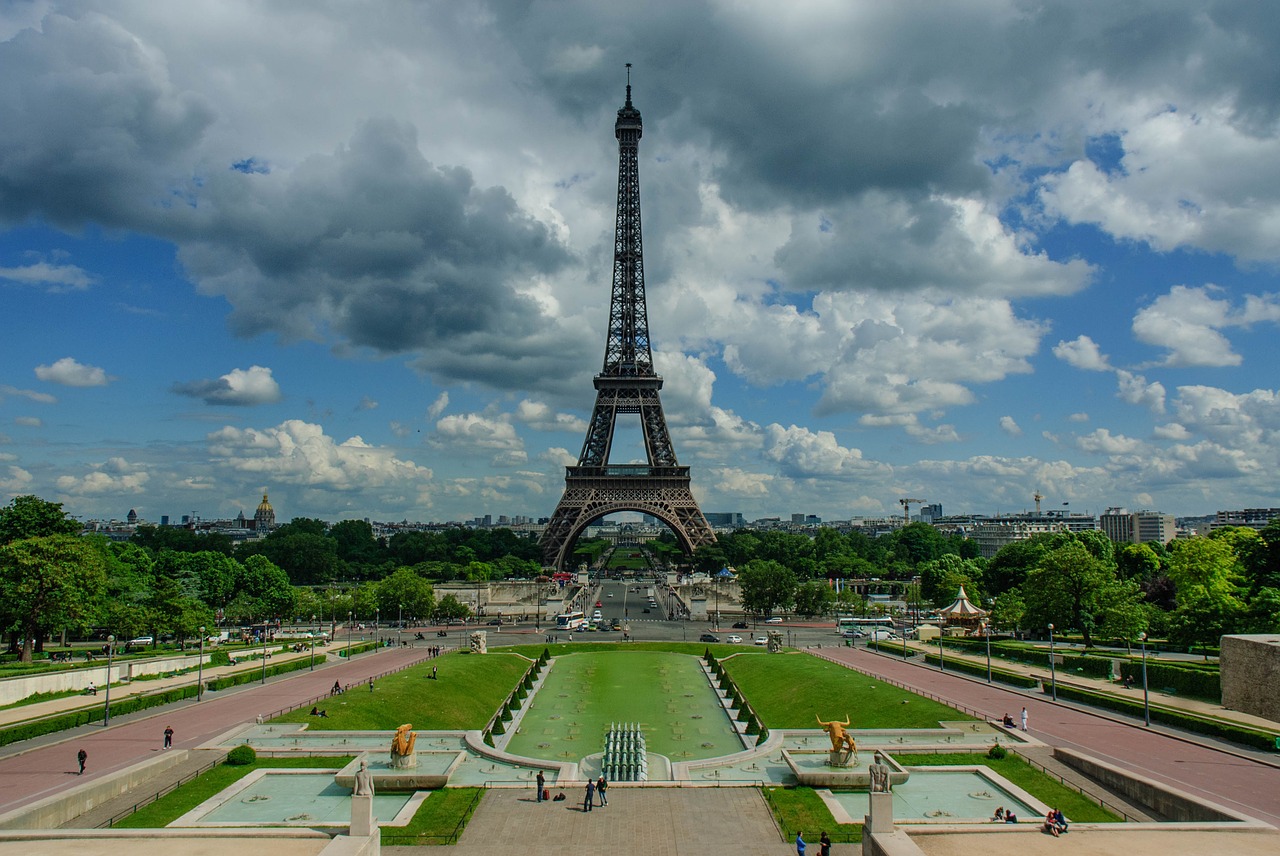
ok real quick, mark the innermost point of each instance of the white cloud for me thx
(1082, 353)
(69, 372)
(28, 421)
(1104, 442)
(734, 481)
(237, 388)
(437, 407)
(801, 453)
(299, 453)
(1078, 417)
(540, 417)
(1187, 322)
(29, 394)
(52, 277)
(14, 480)
(366, 403)
(1171, 431)
(1010, 426)
(114, 476)
(1135, 389)
(471, 431)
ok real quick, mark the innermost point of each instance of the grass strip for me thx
(439, 820)
(799, 809)
(181, 800)
(467, 690)
(790, 690)
(1076, 806)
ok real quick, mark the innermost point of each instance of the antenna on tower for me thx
(628, 84)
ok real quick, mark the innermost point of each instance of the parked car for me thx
(495, 622)
(141, 640)
(882, 635)
(773, 619)
(735, 639)
(761, 640)
(740, 625)
(708, 637)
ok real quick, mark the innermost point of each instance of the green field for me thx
(667, 694)
(790, 690)
(467, 691)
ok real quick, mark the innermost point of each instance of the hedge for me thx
(980, 669)
(76, 718)
(251, 675)
(1199, 683)
(359, 649)
(1179, 719)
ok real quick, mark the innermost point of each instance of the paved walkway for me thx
(44, 766)
(1247, 782)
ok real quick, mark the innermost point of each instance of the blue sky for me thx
(358, 256)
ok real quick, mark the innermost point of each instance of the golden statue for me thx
(402, 743)
(840, 739)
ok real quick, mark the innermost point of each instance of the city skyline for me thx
(358, 258)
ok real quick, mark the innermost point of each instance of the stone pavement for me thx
(637, 822)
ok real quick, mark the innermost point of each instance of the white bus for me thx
(571, 621)
(859, 627)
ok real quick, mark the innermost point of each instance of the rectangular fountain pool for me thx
(943, 796)
(293, 798)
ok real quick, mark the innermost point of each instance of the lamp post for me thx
(106, 713)
(986, 631)
(350, 614)
(1146, 699)
(264, 653)
(1053, 666)
(400, 624)
(942, 667)
(200, 670)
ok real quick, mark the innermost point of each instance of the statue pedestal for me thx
(839, 758)
(880, 807)
(404, 762)
(362, 822)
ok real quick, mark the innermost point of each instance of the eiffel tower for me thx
(626, 384)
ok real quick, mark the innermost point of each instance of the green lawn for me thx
(176, 803)
(1048, 790)
(439, 820)
(668, 695)
(467, 691)
(802, 810)
(790, 690)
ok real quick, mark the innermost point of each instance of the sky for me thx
(357, 256)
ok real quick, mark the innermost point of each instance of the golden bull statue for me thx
(840, 738)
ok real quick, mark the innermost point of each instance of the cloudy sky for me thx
(358, 255)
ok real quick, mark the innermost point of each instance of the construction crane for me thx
(906, 509)
(1037, 498)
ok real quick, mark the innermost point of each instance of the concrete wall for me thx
(1163, 800)
(895, 843)
(16, 689)
(1251, 674)
(67, 805)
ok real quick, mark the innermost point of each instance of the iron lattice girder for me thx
(593, 492)
(627, 384)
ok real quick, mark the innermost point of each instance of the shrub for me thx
(980, 670)
(241, 755)
(1197, 682)
(219, 658)
(997, 752)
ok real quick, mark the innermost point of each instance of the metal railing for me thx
(167, 789)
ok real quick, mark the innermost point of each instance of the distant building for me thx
(131, 518)
(991, 535)
(264, 519)
(1254, 518)
(931, 513)
(1138, 527)
(725, 519)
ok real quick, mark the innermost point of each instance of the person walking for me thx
(168, 737)
(541, 783)
(601, 787)
(824, 844)
(799, 844)
(591, 796)
(1024, 718)
(82, 756)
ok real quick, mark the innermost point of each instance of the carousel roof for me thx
(962, 607)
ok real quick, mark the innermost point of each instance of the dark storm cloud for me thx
(91, 122)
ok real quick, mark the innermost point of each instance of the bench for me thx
(1170, 691)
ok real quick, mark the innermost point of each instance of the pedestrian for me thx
(82, 756)
(824, 844)
(371, 685)
(433, 673)
(168, 737)
(601, 787)
(1024, 719)
(591, 796)
(337, 688)
(799, 844)
(541, 783)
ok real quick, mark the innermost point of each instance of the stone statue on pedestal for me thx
(880, 783)
(775, 641)
(479, 643)
(364, 780)
(402, 755)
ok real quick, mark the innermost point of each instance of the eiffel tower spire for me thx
(627, 383)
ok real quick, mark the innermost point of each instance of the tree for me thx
(450, 608)
(941, 579)
(267, 585)
(1067, 589)
(813, 598)
(1205, 574)
(1124, 614)
(1008, 611)
(766, 585)
(404, 592)
(1137, 562)
(32, 517)
(49, 583)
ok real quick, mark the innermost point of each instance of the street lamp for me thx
(400, 625)
(941, 664)
(349, 617)
(986, 628)
(1053, 666)
(200, 670)
(1146, 698)
(264, 653)
(111, 648)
